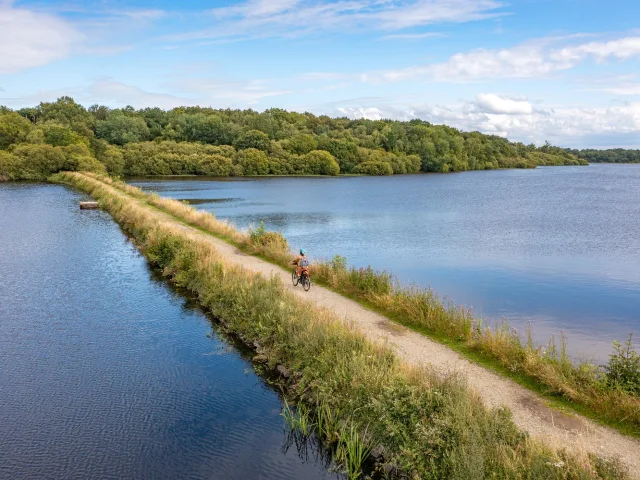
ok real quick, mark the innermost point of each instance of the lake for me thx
(557, 247)
(106, 372)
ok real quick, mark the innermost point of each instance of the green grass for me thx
(429, 427)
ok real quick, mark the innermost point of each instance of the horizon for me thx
(529, 71)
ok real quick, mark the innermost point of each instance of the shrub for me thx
(252, 139)
(263, 238)
(252, 161)
(374, 168)
(623, 369)
(320, 162)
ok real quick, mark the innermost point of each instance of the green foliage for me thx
(261, 237)
(373, 168)
(252, 139)
(109, 155)
(615, 155)
(172, 158)
(37, 162)
(292, 142)
(60, 135)
(120, 129)
(623, 369)
(301, 144)
(319, 162)
(13, 129)
(252, 162)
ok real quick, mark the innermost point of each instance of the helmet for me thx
(303, 251)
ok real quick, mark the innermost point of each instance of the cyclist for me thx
(301, 262)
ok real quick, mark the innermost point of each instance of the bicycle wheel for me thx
(294, 278)
(306, 283)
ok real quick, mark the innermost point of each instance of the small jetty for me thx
(88, 205)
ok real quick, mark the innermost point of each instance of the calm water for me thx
(107, 373)
(558, 247)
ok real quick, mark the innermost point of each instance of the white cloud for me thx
(412, 36)
(30, 39)
(528, 60)
(256, 8)
(118, 94)
(625, 89)
(228, 93)
(491, 103)
(563, 125)
(287, 18)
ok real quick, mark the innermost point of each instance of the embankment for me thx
(582, 388)
(429, 425)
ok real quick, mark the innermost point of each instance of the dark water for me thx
(558, 247)
(105, 372)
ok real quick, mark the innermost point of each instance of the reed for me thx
(430, 426)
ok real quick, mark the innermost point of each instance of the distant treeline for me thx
(615, 155)
(63, 135)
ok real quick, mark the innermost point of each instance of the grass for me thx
(429, 426)
(583, 387)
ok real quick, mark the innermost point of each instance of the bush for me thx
(252, 161)
(623, 369)
(261, 237)
(252, 139)
(373, 168)
(320, 162)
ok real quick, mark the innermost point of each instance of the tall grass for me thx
(430, 427)
(609, 394)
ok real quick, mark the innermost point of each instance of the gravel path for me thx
(529, 410)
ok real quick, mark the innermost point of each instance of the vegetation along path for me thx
(529, 410)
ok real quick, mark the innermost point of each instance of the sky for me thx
(566, 71)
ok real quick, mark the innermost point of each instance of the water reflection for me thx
(555, 243)
(108, 373)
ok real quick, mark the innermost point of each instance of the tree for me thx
(321, 163)
(301, 144)
(374, 168)
(13, 129)
(120, 129)
(252, 161)
(252, 139)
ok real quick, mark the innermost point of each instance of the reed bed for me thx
(357, 394)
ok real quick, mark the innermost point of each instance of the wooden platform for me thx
(88, 205)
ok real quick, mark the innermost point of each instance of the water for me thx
(105, 372)
(558, 247)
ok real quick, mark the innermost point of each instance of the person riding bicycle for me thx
(301, 262)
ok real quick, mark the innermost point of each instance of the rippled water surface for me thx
(558, 247)
(105, 372)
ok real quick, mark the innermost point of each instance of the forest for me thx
(614, 155)
(64, 135)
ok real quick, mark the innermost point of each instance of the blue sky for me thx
(567, 71)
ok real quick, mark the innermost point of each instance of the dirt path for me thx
(529, 411)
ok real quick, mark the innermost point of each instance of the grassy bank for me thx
(359, 395)
(608, 394)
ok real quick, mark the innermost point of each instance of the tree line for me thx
(64, 135)
(614, 155)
